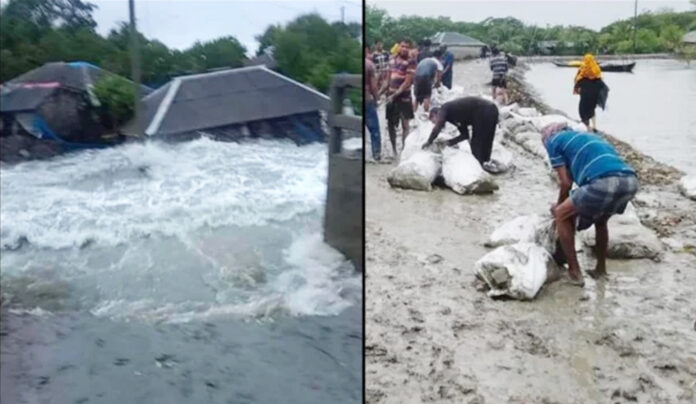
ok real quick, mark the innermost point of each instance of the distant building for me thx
(54, 101)
(547, 47)
(461, 46)
(232, 104)
(689, 38)
(266, 59)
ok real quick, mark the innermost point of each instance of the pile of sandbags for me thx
(419, 168)
(687, 186)
(628, 238)
(522, 262)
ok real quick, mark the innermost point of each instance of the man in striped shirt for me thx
(605, 186)
(499, 67)
(402, 69)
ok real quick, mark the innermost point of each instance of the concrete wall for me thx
(343, 221)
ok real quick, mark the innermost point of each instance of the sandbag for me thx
(530, 141)
(687, 186)
(517, 270)
(463, 173)
(537, 229)
(527, 112)
(628, 238)
(501, 158)
(417, 172)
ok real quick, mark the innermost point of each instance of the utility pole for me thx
(635, 20)
(135, 66)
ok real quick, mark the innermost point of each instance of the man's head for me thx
(437, 53)
(548, 131)
(495, 51)
(405, 48)
(443, 49)
(367, 51)
(379, 45)
(427, 43)
(434, 112)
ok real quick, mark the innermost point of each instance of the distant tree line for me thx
(655, 32)
(33, 32)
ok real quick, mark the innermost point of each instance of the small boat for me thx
(606, 67)
(617, 67)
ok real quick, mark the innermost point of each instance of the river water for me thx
(652, 108)
(188, 272)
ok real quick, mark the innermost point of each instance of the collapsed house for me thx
(233, 104)
(54, 102)
(461, 46)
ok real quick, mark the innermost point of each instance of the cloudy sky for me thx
(179, 23)
(593, 14)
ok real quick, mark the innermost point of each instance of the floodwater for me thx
(178, 273)
(651, 108)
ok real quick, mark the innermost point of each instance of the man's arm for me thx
(438, 78)
(566, 183)
(438, 127)
(372, 82)
(385, 85)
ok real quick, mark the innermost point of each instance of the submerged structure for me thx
(54, 102)
(233, 104)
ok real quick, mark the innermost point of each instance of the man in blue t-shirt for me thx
(605, 186)
(447, 59)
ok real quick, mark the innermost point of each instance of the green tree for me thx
(116, 96)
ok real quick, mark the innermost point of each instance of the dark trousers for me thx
(372, 123)
(483, 132)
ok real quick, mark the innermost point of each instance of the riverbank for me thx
(432, 337)
(641, 56)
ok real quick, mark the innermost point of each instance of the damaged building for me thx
(232, 104)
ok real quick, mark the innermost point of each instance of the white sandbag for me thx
(628, 238)
(687, 186)
(537, 229)
(531, 142)
(517, 270)
(415, 139)
(463, 173)
(540, 122)
(417, 172)
(502, 158)
(528, 112)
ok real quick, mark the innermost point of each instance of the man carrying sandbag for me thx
(605, 186)
(481, 114)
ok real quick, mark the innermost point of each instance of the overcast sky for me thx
(593, 14)
(179, 23)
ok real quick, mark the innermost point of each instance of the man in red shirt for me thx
(402, 69)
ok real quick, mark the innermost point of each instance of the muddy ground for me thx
(432, 337)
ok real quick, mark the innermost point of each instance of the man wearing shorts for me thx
(499, 67)
(605, 186)
(399, 108)
(428, 74)
(480, 114)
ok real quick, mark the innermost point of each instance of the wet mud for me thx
(431, 336)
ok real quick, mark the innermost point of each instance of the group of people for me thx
(395, 75)
(605, 182)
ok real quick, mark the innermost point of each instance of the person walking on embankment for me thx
(592, 90)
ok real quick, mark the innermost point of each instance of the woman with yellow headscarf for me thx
(589, 84)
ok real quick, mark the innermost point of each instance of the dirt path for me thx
(432, 337)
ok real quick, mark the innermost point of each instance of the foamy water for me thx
(175, 232)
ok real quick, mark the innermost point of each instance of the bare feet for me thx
(597, 273)
(576, 279)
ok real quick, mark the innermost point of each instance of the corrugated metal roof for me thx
(234, 96)
(455, 39)
(690, 37)
(77, 76)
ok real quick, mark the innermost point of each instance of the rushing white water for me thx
(175, 232)
(652, 108)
